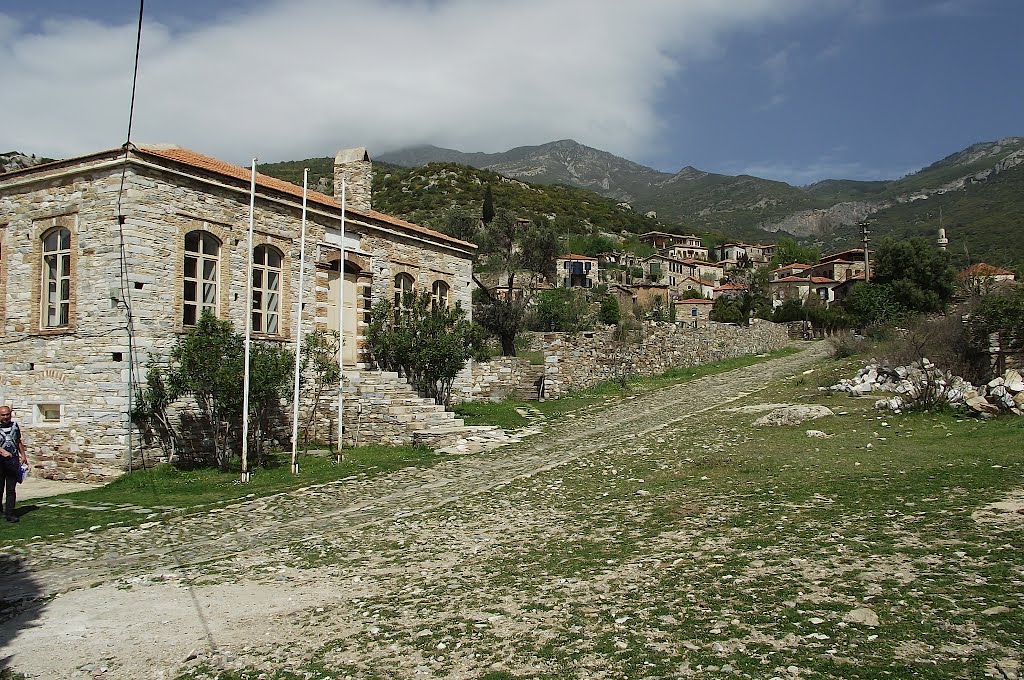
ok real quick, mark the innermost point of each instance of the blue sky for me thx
(794, 90)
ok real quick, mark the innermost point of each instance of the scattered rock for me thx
(998, 609)
(922, 383)
(863, 616)
(793, 415)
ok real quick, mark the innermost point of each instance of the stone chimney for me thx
(354, 167)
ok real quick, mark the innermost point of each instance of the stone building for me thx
(161, 231)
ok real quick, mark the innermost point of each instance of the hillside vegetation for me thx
(424, 194)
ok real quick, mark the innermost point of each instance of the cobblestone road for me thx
(260, 525)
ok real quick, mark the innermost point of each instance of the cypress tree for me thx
(488, 212)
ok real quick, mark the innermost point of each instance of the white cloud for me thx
(299, 78)
(802, 174)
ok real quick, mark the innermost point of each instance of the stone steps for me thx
(395, 401)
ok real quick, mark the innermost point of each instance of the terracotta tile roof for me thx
(822, 279)
(571, 256)
(696, 301)
(731, 286)
(214, 165)
(792, 266)
(983, 269)
(792, 279)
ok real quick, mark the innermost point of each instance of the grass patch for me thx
(505, 414)
(165, 490)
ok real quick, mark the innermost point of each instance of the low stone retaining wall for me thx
(578, 361)
(496, 380)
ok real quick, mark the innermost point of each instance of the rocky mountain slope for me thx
(695, 200)
(15, 160)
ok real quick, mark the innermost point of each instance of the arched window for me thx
(201, 274)
(404, 292)
(440, 294)
(56, 278)
(266, 289)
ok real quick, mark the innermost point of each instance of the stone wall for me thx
(574, 362)
(496, 380)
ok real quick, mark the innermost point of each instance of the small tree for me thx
(150, 409)
(428, 344)
(487, 214)
(320, 364)
(561, 309)
(515, 250)
(270, 372)
(207, 365)
(610, 313)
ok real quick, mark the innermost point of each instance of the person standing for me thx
(12, 455)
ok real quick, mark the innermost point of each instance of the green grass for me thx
(167, 490)
(714, 543)
(506, 415)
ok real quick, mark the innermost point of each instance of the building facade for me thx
(160, 233)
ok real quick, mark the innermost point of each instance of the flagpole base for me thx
(295, 468)
(246, 476)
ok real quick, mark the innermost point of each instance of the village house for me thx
(983, 278)
(695, 312)
(79, 251)
(734, 254)
(730, 290)
(703, 287)
(837, 269)
(576, 271)
(802, 288)
(785, 270)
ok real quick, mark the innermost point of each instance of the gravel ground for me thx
(459, 570)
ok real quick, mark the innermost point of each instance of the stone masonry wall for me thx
(574, 362)
(83, 368)
(495, 380)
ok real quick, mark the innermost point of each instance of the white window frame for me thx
(55, 290)
(266, 290)
(201, 278)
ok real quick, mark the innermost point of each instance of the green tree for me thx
(726, 310)
(459, 223)
(270, 371)
(609, 313)
(487, 214)
(515, 250)
(873, 305)
(206, 364)
(429, 344)
(921, 275)
(788, 251)
(562, 310)
(319, 366)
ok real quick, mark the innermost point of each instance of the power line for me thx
(126, 295)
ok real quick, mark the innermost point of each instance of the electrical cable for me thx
(126, 295)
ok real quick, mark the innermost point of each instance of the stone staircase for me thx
(388, 408)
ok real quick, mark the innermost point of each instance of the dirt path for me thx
(211, 588)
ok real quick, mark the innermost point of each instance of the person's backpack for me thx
(9, 442)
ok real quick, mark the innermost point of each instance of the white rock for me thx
(863, 616)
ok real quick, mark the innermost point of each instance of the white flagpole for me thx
(248, 330)
(298, 326)
(341, 327)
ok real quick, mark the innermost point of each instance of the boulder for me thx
(793, 415)
(862, 615)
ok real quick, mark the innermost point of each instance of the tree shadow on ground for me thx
(21, 604)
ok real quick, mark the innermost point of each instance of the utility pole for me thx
(864, 231)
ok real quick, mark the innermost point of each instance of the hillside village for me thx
(178, 242)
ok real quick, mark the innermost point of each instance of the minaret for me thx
(943, 241)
